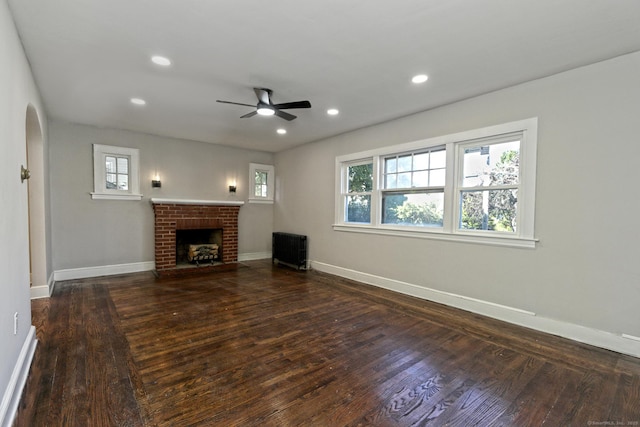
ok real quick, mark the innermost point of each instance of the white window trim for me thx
(100, 190)
(526, 201)
(270, 170)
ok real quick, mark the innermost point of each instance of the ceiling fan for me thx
(266, 107)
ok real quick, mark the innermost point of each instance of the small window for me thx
(261, 183)
(261, 187)
(115, 173)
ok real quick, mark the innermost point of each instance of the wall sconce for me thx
(232, 182)
(155, 182)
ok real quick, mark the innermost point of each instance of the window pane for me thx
(404, 163)
(264, 191)
(391, 181)
(404, 180)
(123, 165)
(390, 165)
(489, 210)
(417, 209)
(360, 178)
(110, 163)
(437, 178)
(496, 164)
(421, 161)
(123, 182)
(261, 177)
(438, 159)
(358, 209)
(421, 179)
(416, 170)
(111, 181)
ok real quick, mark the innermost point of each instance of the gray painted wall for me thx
(584, 269)
(19, 92)
(91, 233)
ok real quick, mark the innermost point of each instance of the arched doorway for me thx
(37, 222)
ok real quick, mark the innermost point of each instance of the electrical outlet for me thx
(15, 323)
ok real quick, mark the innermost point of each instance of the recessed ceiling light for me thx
(138, 101)
(332, 111)
(420, 78)
(161, 60)
(281, 131)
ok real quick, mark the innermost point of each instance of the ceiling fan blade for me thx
(264, 95)
(296, 104)
(235, 103)
(284, 115)
(251, 114)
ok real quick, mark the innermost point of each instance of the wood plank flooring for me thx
(271, 346)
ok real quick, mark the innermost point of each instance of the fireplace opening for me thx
(196, 247)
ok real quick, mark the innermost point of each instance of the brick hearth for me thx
(172, 215)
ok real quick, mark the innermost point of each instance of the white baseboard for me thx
(43, 291)
(104, 270)
(13, 392)
(110, 270)
(624, 343)
(39, 292)
(251, 256)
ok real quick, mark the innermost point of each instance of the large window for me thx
(115, 173)
(488, 191)
(473, 186)
(413, 188)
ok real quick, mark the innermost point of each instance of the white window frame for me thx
(522, 238)
(270, 171)
(100, 190)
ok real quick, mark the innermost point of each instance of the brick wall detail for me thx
(170, 217)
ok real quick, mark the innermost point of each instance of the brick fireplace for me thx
(172, 215)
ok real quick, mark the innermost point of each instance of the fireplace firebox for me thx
(198, 246)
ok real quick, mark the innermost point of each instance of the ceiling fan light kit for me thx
(265, 111)
(266, 107)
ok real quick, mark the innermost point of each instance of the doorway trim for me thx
(40, 286)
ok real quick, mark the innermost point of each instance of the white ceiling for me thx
(89, 57)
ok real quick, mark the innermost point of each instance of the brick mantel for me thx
(187, 214)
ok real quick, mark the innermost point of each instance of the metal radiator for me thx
(289, 249)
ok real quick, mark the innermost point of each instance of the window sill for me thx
(503, 240)
(261, 201)
(103, 196)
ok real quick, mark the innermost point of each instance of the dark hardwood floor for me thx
(271, 346)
